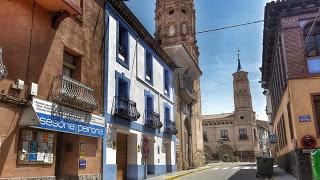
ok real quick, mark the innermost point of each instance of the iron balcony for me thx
(126, 109)
(171, 127)
(69, 92)
(152, 120)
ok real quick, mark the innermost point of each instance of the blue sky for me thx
(218, 50)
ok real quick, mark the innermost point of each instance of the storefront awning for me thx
(51, 116)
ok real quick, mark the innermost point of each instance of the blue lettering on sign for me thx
(70, 126)
(304, 118)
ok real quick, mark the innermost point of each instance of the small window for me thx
(243, 134)
(241, 117)
(205, 136)
(123, 49)
(172, 30)
(184, 11)
(69, 65)
(224, 133)
(171, 12)
(166, 83)
(312, 39)
(149, 68)
(316, 102)
(167, 114)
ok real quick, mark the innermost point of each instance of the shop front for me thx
(61, 137)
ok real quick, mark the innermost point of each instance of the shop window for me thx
(243, 134)
(205, 136)
(149, 67)
(316, 102)
(166, 83)
(36, 147)
(123, 46)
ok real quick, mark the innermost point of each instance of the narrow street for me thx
(234, 172)
(225, 171)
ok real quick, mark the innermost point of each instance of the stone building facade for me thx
(175, 32)
(230, 136)
(50, 100)
(291, 78)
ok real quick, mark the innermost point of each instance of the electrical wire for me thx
(229, 27)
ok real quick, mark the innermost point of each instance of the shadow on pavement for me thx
(244, 174)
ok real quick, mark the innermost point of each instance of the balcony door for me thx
(123, 94)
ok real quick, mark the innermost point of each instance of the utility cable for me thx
(229, 27)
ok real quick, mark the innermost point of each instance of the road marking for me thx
(236, 168)
(225, 168)
(215, 168)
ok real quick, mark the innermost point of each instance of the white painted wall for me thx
(136, 74)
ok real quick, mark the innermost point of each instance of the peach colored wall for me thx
(299, 94)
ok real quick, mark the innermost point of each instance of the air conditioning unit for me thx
(33, 89)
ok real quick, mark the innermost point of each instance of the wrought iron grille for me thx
(152, 120)
(126, 109)
(188, 84)
(70, 92)
(171, 127)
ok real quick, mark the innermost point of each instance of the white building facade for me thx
(139, 100)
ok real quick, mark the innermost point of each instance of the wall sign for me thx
(272, 138)
(304, 118)
(64, 119)
(82, 164)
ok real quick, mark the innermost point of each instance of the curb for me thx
(181, 175)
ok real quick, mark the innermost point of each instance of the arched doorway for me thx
(226, 152)
(188, 141)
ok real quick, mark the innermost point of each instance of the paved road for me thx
(234, 172)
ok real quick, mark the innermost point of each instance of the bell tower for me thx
(242, 96)
(175, 24)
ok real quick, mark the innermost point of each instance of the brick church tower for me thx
(175, 24)
(175, 32)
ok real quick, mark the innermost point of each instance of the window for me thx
(167, 114)
(122, 46)
(241, 117)
(316, 101)
(224, 133)
(69, 65)
(36, 147)
(243, 134)
(166, 83)
(184, 11)
(171, 12)
(205, 136)
(281, 130)
(171, 30)
(290, 120)
(312, 41)
(122, 91)
(149, 67)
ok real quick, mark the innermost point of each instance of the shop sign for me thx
(304, 118)
(64, 119)
(82, 163)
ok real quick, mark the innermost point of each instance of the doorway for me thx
(121, 157)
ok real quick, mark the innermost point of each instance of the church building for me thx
(175, 32)
(233, 136)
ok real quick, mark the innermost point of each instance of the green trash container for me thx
(315, 156)
(264, 167)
